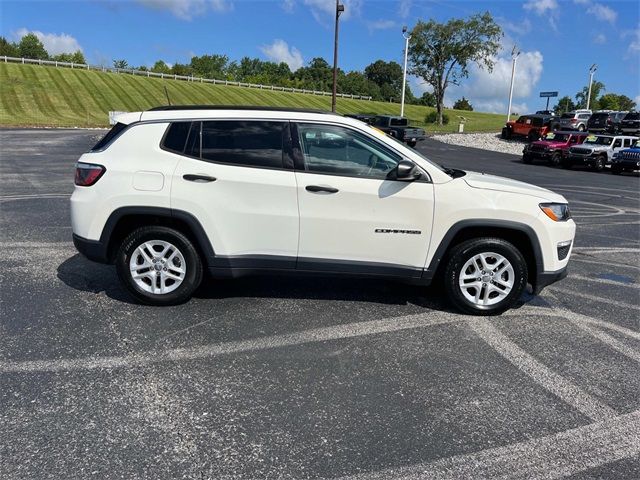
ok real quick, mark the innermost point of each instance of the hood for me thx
(502, 184)
(592, 147)
(549, 143)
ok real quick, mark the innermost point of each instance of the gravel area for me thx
(485, 141)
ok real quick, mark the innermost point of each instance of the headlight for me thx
(558, 212)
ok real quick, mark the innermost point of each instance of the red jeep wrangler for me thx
(533, 127)
(553, 147)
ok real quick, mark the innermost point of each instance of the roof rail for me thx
(164, 108)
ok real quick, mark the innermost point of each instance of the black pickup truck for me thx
(398, 127)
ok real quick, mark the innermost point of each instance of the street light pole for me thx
(592, 70)
(339, 10)
(407, 37)
(514, 56)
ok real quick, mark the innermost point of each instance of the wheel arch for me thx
(124, 220)
(521, 235)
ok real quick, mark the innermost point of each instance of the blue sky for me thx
(559, 39)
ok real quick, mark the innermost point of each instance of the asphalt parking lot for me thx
(290, 378)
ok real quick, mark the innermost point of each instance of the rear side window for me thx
(632, 116)
(399, 122)
(244, 143)
(111, 134)
(537, 122)
(176, 137)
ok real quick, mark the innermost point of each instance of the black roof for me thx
(164, 108)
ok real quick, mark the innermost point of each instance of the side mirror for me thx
(406, 171)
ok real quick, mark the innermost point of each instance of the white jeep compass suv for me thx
(175, 191)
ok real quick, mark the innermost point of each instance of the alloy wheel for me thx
(486, 278)
(157, 267)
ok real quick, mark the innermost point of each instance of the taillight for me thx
(88, 173)
(573, 120)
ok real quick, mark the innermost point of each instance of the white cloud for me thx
(405, 8)
(53, 43)
(489, 91)
(602, 12)
(187, 9)
(637, 100)
(634, 42)
(518, 28)
(541, 6)
(380, 25)
(600, 39)
(279, 51)
(324, 11)
(287, 5)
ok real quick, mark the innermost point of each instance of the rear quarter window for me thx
(176, 136)
(109, 137)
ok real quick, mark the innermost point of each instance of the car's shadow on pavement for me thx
(81, 274)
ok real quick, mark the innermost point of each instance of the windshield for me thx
(557, 137)
(593, 140)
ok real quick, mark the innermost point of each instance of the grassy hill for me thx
(32, 95)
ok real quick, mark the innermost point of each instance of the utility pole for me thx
(404, 74)
(592, 70)
(339, 10)
(514, 56)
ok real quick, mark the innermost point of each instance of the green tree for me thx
(210, 66)
(122, 63)
(9, 49)
(160, 67)
(388, 76)
(428, 99)
(75, 57)
(613, 101)
(565, 104)
(441, 53)
(581, 97)
(181, 69)
(463, 104)
(30, 46)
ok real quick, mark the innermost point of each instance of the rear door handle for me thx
(199, 178)
(321, 189)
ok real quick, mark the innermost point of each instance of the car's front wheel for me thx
(159, 265)
(411, 143)
(555, 159)
(485, 276)
(599, 163)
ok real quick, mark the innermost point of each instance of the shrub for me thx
(432, 117)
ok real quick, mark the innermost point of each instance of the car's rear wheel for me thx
(159, 265)
(533, 136)
(598, 164)
(485, 276)
(581, 128)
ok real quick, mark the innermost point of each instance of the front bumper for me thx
(544, 279)
(94, 250)
(583, 159)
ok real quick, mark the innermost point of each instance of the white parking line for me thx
(543, 375)
(604, 281)
(617, 345)
(576, 258)
(336, 332)
(593, 297)
(550, 457)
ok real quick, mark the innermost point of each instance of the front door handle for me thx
(321, 189)
(199, 178)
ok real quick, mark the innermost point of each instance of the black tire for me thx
(599, 163)
(464, 252)
(506, 133)
(412, 144)
(616, 169)
(533, 136)
(555, 159)
(581, 128)
(193, 264)
(527, 159)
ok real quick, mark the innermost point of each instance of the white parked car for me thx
(171, 192)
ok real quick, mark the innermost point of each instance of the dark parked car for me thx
(363, 117)
(630, 124)
(605, 122)
(398, 128)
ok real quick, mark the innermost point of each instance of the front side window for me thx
(337, 150)
(244, 143)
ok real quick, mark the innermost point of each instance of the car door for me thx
(352, 216)
(616, 146)
(236, 177)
